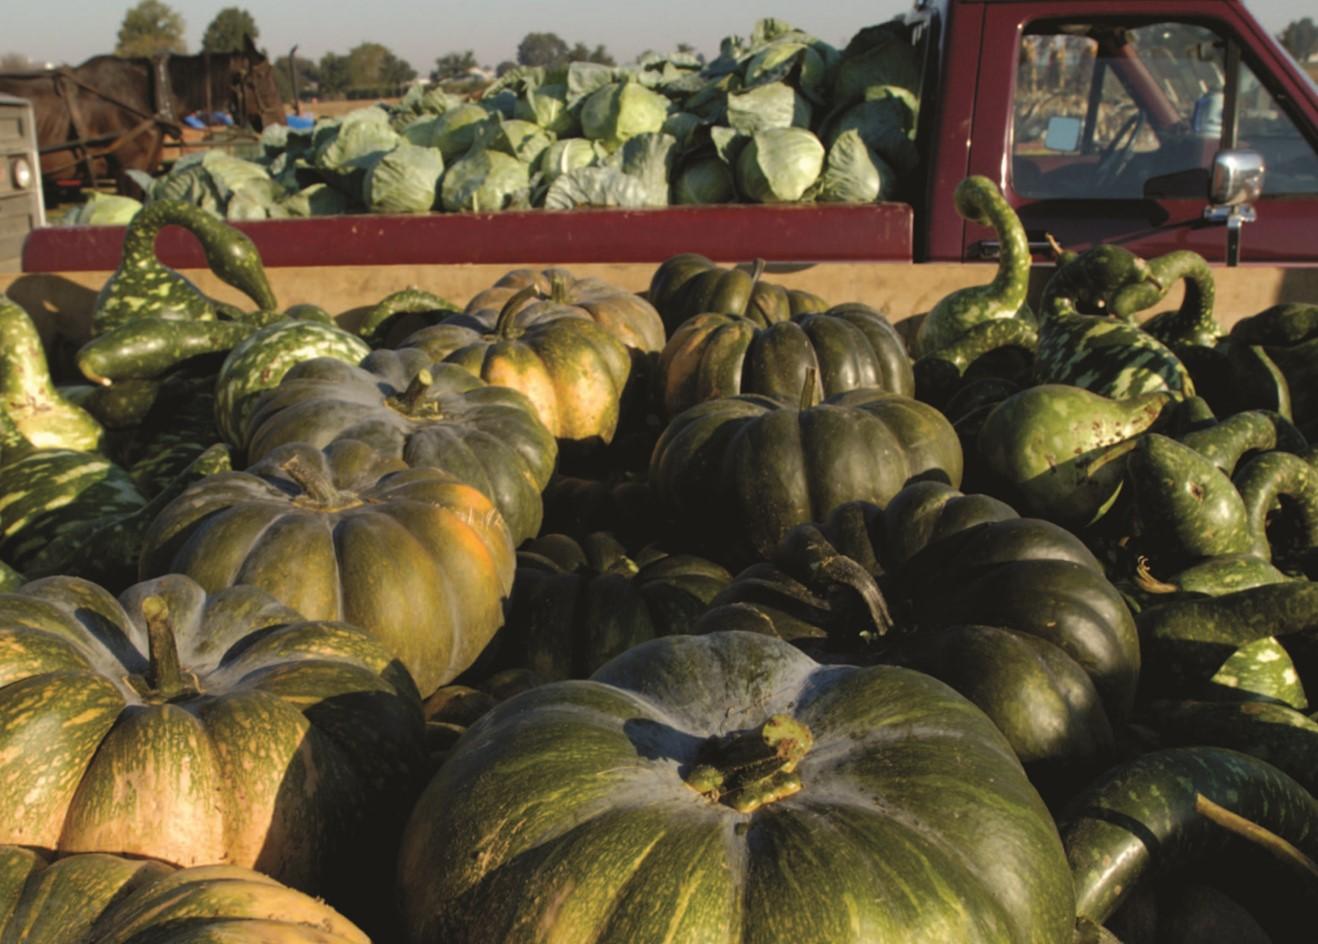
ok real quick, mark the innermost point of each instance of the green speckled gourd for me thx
(1062, 448)
(107, 552)
(143, 287)
(28, 398)
(1187, 641)
(53, 492)
(260, 361)
(979, 200)
(1187, 507)
(1098, 352)
(10, 579)
(148, 348)
(1213, 577)
(1281, 736)
(1140, 820)
(1263, 482)
(401, 313)
(727, 788)
(1225, 441)
(1193, 321)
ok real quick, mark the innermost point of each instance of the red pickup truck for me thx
(1159, 124)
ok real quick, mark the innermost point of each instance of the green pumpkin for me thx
(200, 729)
(847, 347)
(104, 899)
(572, 370)
(727, 788)
(258, 364)
(575, 605)
(418, 559)
(625, 315)
(689, 284)
(435, 416)
(739, 472)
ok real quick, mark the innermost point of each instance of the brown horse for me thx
(110, 115)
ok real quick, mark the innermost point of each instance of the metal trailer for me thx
(21, 207)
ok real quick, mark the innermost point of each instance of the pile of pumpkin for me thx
(706, 616)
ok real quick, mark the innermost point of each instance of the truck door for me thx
(1114, 118)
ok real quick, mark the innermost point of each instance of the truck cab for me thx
(21, 207)
(1177, 124)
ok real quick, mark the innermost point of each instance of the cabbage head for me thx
(775, 105)
(883, 124)
(546, 106)
(523, 140)
(705, 180)
(566, 155)
(406, 180)
(622, 110)
(103, 209)
(779, 165)
(855, 174)
(359, 137)
(316, 200)
(485, 181)
(456, 130)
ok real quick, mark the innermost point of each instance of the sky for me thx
(421, 30)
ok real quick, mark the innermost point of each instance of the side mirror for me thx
(1237, 178)
(1063, 133)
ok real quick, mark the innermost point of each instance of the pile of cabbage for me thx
(779, 117)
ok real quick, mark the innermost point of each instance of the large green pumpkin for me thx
(739, 472)
(418, 559)
(429, 415)
(200, 729)
(689, 284)
(625, 315)
(727, 788)
(571, 369)
(848, 347)
(105, 899)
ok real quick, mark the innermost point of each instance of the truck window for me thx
(1105, 111)
(1292, 163)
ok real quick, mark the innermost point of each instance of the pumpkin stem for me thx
(747, 769)
(503, 326)
(808, 393)
(319, 489)
(811, 558)
(1275, 845)
(757, 270)
(558, 287)
(164, 674)
(1145, 580)
(411, 398)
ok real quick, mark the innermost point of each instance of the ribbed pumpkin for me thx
(429, 415)
(418, 559)
(572, 370)
(847, 347)
(727, 788)
(575, 605)
(739, 472)
(200, 729)
(689, 284)
(105, 899)
(625, 315)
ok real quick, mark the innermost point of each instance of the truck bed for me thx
(882, 232)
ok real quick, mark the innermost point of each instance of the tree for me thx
(150, 27)
(334, 79)
(308, 77)
(374, 67)
(1300, 37)
(225, 33)
(542, 49)
(453, 64)
(580, 52)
